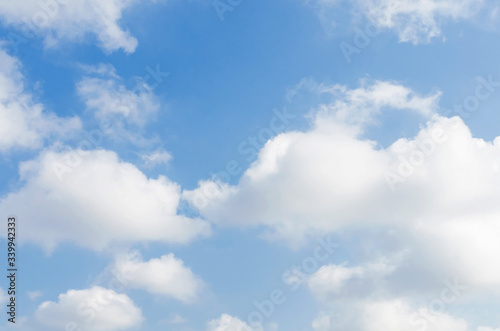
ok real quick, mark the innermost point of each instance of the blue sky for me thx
(127, 226)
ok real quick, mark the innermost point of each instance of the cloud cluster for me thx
(419, 199)
(24, 123)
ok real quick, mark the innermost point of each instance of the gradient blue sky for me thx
(224, 80)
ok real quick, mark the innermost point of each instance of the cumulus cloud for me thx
(332, 279)
(93, 199)
(388, 315)
(166, 276)
(58, 21)
(96, 309)
(426, 194)
(24, 123)
(230, 323)
(397, 315)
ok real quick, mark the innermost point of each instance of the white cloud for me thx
(107, 97)
(396, 315)
(323, 323)
(359, 106)
(331, 179)
(166, 276)
(156, 158)
(229, 323)
(23, 122)
(485, 328)
(96, 309)
(419, 21)
(93, 199)
(62, 20)
(415, 21)
(332, 279)
(387, 315)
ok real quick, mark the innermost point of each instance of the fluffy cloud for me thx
(23, 122)
(166, 276)
(397, 315)
(303, 178)
(63, 20)
(424, 195)
(96, 308)
(93, 199)
(388, 315)
(330, 280)
(229, 323)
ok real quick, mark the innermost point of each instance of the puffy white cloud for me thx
(96, 308)
(433, 192)
(25, 123)
(398, 315)
(229, 323)
(93, 199)
(486, 328)
(303, 178)
(166, 276)
(388, 315)
(329, 280)
(62, 20)
(332, 278)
